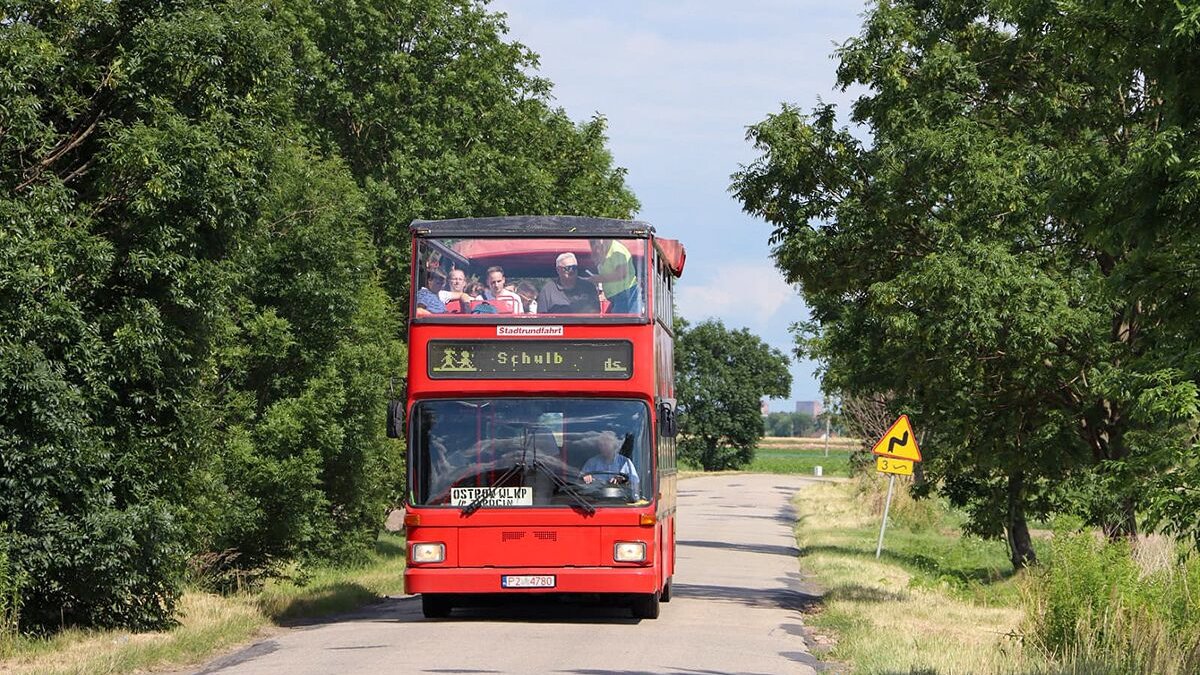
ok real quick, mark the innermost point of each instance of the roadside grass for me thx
(1116, 607)
(210, 623)
(936, 602)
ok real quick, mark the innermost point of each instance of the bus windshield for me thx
(561, 278)
(565, 452)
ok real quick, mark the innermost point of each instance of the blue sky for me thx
(679, 82)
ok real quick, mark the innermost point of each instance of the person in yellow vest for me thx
(616, 276)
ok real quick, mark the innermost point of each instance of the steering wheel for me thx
(621, 479)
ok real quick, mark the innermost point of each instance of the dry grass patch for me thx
(895, 614)
(207, 624)
(210, 624)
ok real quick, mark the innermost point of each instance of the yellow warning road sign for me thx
(900, 467)
(900, 442)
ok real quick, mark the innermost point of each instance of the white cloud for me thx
(742, 293)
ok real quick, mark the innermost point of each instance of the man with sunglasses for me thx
(568, 294)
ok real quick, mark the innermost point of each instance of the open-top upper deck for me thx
(527, 269)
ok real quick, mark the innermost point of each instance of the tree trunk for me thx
(709, 460)
(1020, 546)
(1123, 523)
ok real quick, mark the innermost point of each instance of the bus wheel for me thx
(665, 596)
(645, 606)
(435, 606)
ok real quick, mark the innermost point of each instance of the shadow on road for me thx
(769, 549)
(547, 609)
(668, 671)
(784, 598)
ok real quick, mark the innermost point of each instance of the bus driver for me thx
(612, 467)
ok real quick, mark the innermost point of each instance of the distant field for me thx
(837, 441)
(800, 459)
(799, 456)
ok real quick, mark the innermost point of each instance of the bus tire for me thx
(435, 605)
(645, 606)
(665, 596)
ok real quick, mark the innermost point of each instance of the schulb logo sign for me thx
(529, 331)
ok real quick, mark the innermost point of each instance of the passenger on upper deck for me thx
(616, 275)
(428, 301)
(431, 299)
(497, 291)
(568, 294)
(528, 296)
(458, 286)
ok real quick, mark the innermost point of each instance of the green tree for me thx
(721, 376)
(203, 248)
(134, 149)
(438, 117)
(1006, 304)
(789, 424)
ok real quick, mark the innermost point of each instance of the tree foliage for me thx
(203, 267)
(999, 256)
(721, 377)
(790, 424)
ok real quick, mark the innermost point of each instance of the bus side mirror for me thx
(395, 413)
(395, 419)
(667, 427)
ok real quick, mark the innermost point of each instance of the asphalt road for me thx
(737, 606)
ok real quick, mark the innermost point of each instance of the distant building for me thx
(811, 408)
(765, 408)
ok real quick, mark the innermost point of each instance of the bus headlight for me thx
(428, 553)
(629, 551)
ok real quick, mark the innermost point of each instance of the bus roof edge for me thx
(533, 226)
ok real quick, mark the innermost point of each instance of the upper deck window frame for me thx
(533, 227)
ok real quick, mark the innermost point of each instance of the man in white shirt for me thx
(497, 291)
(458, 286)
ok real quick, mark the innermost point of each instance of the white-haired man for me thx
(568, 294)
(608, 466)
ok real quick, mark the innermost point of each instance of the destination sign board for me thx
(493, 496)
(530, 359)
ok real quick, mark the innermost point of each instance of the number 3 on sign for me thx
(900, 467)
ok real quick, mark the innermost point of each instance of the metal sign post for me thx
(895, 454)
(886, 507)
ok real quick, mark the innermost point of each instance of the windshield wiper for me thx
(491, 489)
(566, 487)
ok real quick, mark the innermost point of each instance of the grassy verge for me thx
(936, 602)
(209, 624)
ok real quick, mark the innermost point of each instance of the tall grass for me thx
(10, 597)
(935, 602)
(1099, 606)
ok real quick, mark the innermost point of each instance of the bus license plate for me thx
(527, 581)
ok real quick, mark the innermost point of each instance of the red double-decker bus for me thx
(539, 411)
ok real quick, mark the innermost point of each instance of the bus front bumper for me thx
(478, 580)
